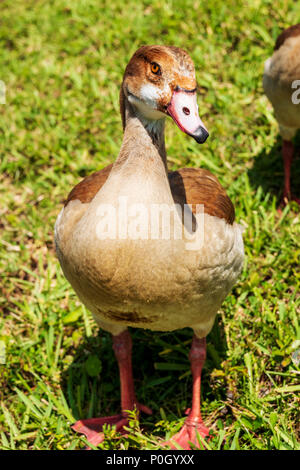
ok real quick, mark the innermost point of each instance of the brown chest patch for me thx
(290, 32)
(128, 317)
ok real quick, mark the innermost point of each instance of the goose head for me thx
(160, 81)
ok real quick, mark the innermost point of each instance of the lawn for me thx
(62, 64)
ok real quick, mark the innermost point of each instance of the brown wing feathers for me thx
(198, 186)
(290, 32)
(87, 189)
(188, 185)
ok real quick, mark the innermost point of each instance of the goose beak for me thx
(183, 109)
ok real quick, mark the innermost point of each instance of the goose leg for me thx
(287, 154)
(92, 428)
(193, 423)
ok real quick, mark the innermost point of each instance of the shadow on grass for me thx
(268, 171)
(161, 371)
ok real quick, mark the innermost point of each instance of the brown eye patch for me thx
(155, 68)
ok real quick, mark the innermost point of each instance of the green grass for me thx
(62, 63)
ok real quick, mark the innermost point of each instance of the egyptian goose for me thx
(281, 83)
(135, 279)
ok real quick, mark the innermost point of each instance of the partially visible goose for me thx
(156, 282)
(281, 80)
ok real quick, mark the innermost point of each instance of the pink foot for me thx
(188, 435)
(93, 428)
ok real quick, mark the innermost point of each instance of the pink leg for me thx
(193, 422)
(92, 428)
(287, 154)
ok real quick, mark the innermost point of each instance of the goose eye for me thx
(155, 68)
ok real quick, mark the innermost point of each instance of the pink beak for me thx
(183, 109)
